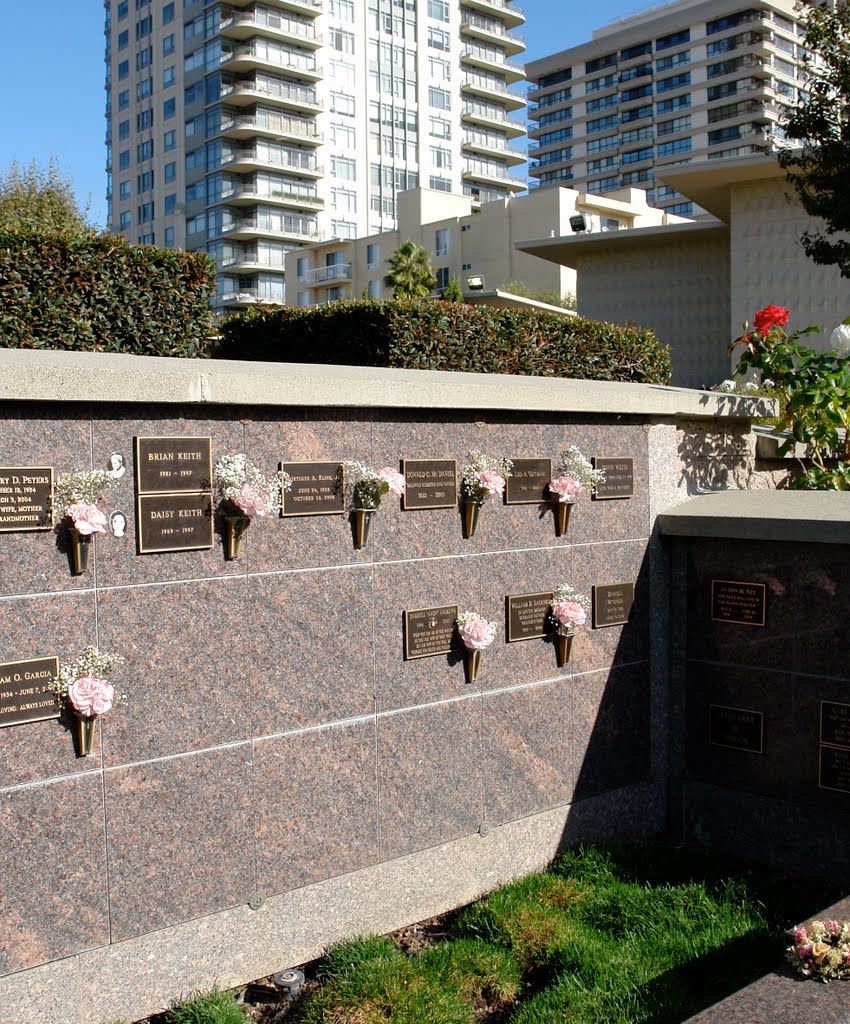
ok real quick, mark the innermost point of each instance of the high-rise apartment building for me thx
(247, 128)
(689, 80)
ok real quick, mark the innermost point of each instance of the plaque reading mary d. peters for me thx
(24, 691)
(26, 498)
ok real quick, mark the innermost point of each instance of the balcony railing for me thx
(269, 20)
(283, 125)
(319, 275)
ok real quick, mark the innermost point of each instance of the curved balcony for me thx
(491, 59)
(246, 58)
(490, 115)
(247, 195)
(486, 145)
(490, 30)
(484, 85)
(249, 227)
(311, 8)
(489, 174)
(244, 25)
(249, 126)
(289, 95)
(509, 13)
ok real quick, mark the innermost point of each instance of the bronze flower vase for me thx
(361, 525)
(471, 510)
(234, 530)
(86, 729)
(80, 550)
(562, 517)
(565, 643)
(471, 664)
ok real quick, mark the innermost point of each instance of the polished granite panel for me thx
(526, 763)
(512, 574)
(608, 729)
(429, 776)
(309, 635)
(299, 542)
(316, 803)
(187, 667)
(776, 769)
(179, 838)
(52, 872)
(50, 625)
(39, 561)
(600, 565)
(118, 562)
(406, 586)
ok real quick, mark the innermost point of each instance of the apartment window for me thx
(441, 242)
(343, 167)
(636, 114)
(123, 70)
(124, 99)
(168, 45)
(443, 274)
(676, 103)
(124, 190)
(144, 27)
(440, 128)
(169, 172)
(125, 220)
(342, 10)
(674, 39)
(169, 109)
(637, 177)
(144, 181)
(608, 184)
(441, 157)
(562, 134)
(559, 155)
(145, 213)
(124, 39)
(124, 160)
(608, 61)
(440, 69)
(724, 134)
(192, 93)
(730, 21)
(169, 140)
(673, 61)
(633, 94)
(170, 204)
(677, 146)
(374, 289)
(343, 135)
(634, 135)
(636, 51)
(373, 254)
(123, 9)
(564, 75)
(599, 145)
(343, 228)
(636, 155)
(342, 103)
(196, 191)
(169, 238)
(604, 164)
(598, 124)
(681, 209)
(144, 150)
(194, 126)
(168, 14)
(144, 120)
(439, 184)
(144, 58)
(674, 82)
(440, 98)
(562, 95)
(638, 71)
(344, 200)
(168, 77)
(144, 88)
(438, 9)
(340, 40)
(124, 131)
(601, 103)
(439, 39)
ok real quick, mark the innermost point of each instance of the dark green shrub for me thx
(447, 336)
(100, 294)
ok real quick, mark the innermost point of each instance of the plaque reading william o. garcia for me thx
(174, 522)
(429, 632)
(318, 489)
(528, 616)
(24, 691)
(429, 483)
(26, 498)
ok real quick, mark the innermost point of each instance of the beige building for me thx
(684, 81)
(464, 240)
(696, 283)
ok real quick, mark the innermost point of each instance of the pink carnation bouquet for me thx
(242, 489)
(484, 476)
(92, 696)
(75, 499)
(87, 518)
(476, 632)
(569, 609)
(82, 683)
(575, 474)
(370, 485)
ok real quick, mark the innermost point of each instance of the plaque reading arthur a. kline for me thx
(528, 616)
(429, 483)
(24, 693)
(26, 497)
(429, 631)
(318, 489)
(528, 483)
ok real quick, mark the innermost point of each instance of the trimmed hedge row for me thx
(101, 294)
(446, 336)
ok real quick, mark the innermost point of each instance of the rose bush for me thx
(770, 316)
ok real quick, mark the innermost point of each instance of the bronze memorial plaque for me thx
(528, 616)
(528, 483)
(736, 728)
(174, 522)
(834, 769)
(612, 604)
(834, 723)
(429, 631)
(619, 477)
(24, 693)
(742, 603)
(429, 483)
(168, 465)
(318, 489)
(26, 498)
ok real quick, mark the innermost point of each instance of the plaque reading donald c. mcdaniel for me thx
(429, 483)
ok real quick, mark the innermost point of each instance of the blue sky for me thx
(53, 96)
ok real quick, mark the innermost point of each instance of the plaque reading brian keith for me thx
(429, 631)
(26, 496)
(24, 693)
(167, 465)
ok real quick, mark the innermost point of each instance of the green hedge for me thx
(101, 294)
(447, 336)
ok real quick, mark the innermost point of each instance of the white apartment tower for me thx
(247, 128)
(688, 80)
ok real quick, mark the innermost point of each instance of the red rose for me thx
(770, 316)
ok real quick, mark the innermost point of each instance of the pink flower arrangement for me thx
(393, 479)
(91, 696)
(252, 500)
(475, 631)
(492, 482)
(484, 476)
(568, 488)
(821, 951)
(87, 518)
(370, 485)
(569, 614)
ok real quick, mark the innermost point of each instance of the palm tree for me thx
(410, 275)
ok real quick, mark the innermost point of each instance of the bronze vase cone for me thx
(362, 526)
(472, 664)
(86, 733)
(562, 517)
(234, 530)
(565, 644)
(80, 550)
(471, 509)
